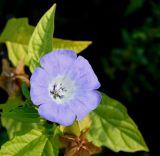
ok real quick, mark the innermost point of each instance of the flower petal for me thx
(90, 99)
(40, 95)
(57, 113)
(39, 78)
(84, 103)
(80, 110)
(83, 74)
(58, 61)
(39, 86)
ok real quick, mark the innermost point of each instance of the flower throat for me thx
(58, 91)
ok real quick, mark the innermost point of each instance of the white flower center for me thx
(61, 89)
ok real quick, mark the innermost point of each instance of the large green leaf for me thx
(30, 144)
(19, 120)
(76, 46)
(41, 40)
(24, 114)
(17, 31)
(16, 52)
(17, 34)
(15, 127)
(112, 127)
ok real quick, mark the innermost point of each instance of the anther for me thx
(57, 91)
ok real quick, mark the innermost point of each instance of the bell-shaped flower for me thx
(64, 87)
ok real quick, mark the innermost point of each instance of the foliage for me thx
(112, 127)
(32, 143)
(138, 59)
(17, 39)
(134, 5)
(29, 134)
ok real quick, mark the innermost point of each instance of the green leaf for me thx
(41, 40)
(112, 127)
(76, 46)
(17, 31)
(16, 52)
(127, 38)
(19, 120)
(53, 144)
(55, 139)
(30, 144)
(85, 123)
(15, 127)
(134, 5)
(25, 91)
(74, 129)
(12, 103)
(48, 150)
(24, 114)
(16, 35)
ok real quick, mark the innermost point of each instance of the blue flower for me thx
(64, 87)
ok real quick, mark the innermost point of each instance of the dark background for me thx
(127, 66)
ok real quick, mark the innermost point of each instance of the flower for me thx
(64, 87)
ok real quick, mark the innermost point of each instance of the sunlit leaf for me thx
(48, 149)
(17, 51)
(53, 143)
(74, 129)
(85, 123)
(15, 127)
(17, 34)
(30, 144)
(112, 127)
(41, 40)
(17, 30)
(76, 46)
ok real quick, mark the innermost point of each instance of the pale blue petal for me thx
(39, 86)
(57, 113)
(40, 95)
(79, 109)
(84, 103)
(58, 61)
(83, 74)
(39, 78)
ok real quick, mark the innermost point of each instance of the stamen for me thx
(58, 91)
(61, 89)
